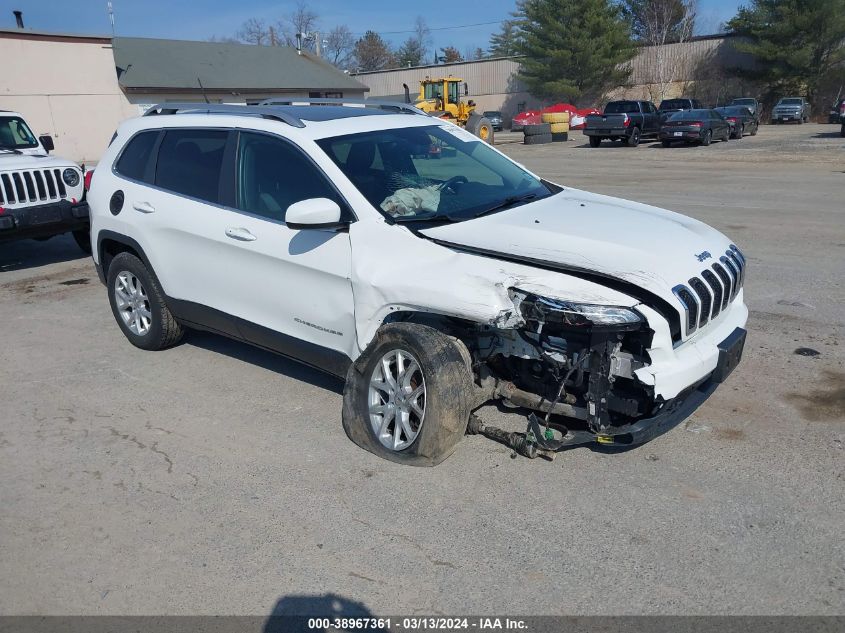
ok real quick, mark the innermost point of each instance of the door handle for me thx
(143, 207)
(240, 234)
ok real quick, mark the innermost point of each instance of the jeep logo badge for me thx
(705, 255)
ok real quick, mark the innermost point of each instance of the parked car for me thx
(791, 109)
(750, 103)
(40, 195)
(495, 118)
(623, 120)
(669, 106)
(741, 120)
(836, 111)
(695, 126)
(431, 286)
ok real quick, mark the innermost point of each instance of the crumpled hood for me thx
(652, 248)
(9, 161)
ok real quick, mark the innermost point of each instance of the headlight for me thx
(71, 177)
(545, 310)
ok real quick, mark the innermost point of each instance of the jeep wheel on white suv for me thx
(325, 234)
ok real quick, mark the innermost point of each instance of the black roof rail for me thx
(264, 111)
(406, 108)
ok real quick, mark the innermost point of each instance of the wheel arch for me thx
(110, 244)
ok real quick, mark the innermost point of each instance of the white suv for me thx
(329, 234)
(40, 195)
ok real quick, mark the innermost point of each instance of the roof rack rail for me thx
(406, 108)
(266, 112)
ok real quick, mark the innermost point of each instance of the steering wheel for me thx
(450, 184)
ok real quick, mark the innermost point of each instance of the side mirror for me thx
(47, 142)
(314, 213)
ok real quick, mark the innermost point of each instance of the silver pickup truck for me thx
(791, 109)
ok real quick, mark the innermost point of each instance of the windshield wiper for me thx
(507, 202)
(14, 150)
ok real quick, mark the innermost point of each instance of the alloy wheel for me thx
(396, 399)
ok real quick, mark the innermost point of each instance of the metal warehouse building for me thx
(697, 66)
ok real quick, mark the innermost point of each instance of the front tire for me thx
(408, 398)
(138, 306)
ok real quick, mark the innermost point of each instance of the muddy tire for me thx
(430, 361)
(137, 303)
(82, 237)
(481, 127)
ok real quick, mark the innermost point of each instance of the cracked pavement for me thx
(216, 478)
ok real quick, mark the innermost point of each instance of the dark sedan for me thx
(694, 126)
(741, 119)
(496, 119)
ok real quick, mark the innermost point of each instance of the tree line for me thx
(577, 50)
(339, 46)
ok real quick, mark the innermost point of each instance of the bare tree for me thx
(663, 25)
(339, 46)
(300, 20)
(254, 31)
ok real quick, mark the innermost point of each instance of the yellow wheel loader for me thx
(442, 98)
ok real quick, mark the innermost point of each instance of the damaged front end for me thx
(569, 359)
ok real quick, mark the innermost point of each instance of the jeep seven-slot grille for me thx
(32, 186)
(704, 300)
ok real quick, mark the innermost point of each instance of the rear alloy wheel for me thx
(707, 138)
(137, 303)
(407, 399)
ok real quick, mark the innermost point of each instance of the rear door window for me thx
(190, 161)
(135, 159)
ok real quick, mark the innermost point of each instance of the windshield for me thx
(438, 172)
(733, 110)
(15, 134)
(690, 115)
(749, 101)
(790, 101)
(621, 107)
(492, 114)
(674, 104)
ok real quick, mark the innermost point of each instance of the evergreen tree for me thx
(794, 43)
(573, 48)
(504, 43)
(410, 53)
(450, 54)
(372, 52)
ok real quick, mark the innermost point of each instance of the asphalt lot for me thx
(215, 478)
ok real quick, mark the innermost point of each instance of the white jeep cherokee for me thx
(40, 195)
(334, 236)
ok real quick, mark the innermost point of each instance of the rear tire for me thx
(431, 361)
(666, 143)
(595, 141)
(633, 138)
(138, 306)
(707, 138)
(82, 237)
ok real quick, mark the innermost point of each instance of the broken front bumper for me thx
(674, 412)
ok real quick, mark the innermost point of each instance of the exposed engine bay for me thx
(566, 360)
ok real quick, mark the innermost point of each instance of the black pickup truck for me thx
(623, 120)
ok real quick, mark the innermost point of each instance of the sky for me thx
(202, 19)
